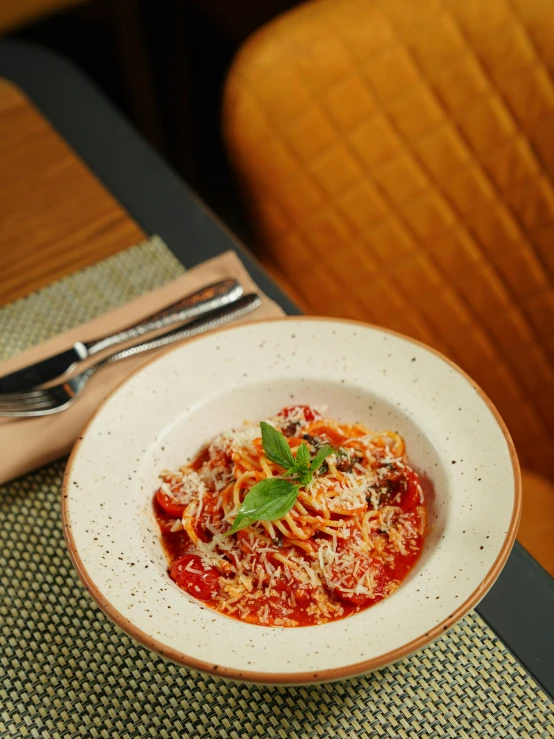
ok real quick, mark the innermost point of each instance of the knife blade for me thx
(198, 303)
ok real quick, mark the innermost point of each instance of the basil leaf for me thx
(320, 457)
(275, 446)
(302, 461)
(305, 477)
(268, 500)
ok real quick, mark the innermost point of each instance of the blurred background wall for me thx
(163, 63)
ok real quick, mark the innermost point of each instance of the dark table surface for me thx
(520, 605)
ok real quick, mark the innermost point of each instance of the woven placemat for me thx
(66, 671)
(85, 295)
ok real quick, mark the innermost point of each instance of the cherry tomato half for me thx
(198, 581)
(402, 488)
(362, 599)
(308, 412)
(169, 504)
(411, 498)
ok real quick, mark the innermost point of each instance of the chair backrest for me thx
(398, 160)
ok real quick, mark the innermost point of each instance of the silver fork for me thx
(48, 400)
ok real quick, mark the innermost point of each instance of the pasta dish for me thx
(297, 521)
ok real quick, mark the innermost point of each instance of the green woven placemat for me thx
(66, 671)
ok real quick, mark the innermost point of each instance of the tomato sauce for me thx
(175, 543)
(177, 547)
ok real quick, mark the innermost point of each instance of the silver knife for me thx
(207, 299)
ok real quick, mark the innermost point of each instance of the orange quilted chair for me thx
(397, 157)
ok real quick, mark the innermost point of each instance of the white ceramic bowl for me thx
(166, 411)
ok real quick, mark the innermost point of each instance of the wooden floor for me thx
(56, 218)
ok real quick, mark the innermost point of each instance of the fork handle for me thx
(213, 320)
(208, 298)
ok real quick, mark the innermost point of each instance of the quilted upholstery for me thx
(398, 160)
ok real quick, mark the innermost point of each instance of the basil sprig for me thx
(275, 446)
(273, 498)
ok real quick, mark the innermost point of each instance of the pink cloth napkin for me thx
(28, 443)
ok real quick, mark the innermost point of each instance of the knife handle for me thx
(207, 299)
(213, 320)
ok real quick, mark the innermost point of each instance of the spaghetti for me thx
(349, 540)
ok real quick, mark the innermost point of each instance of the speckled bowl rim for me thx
(297, 678)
